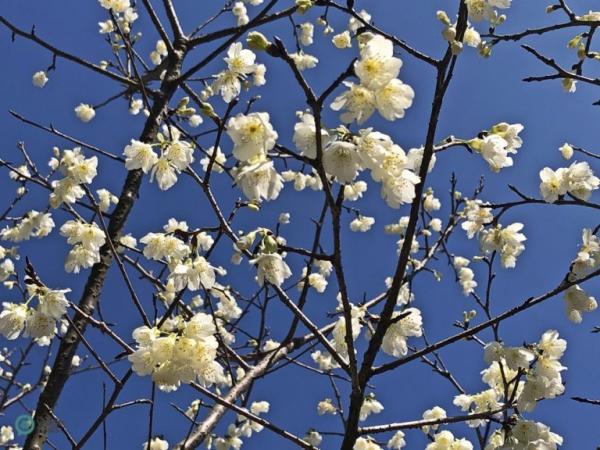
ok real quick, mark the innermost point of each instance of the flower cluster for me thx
(525, 434)
(39, 322)
(77, 170)
(175, 156)
(244, 427)
(507, 241)
(345, 155)
(379, 88)
(33, 224)
(497, 144)
(323, 359)
(405, 324)
(317, 280)
(179, 351)
(253, 136)
(578, 180)
(524, 375)
(187, 269)
(487, 10)
(86, 240)
(466, 277)
(240, 65)
(470, 36)
(160, 51)
(370, 406)
(445, 440)
(477, 214)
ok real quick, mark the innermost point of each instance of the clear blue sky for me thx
(482, 93)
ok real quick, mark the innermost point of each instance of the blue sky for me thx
(483, 92)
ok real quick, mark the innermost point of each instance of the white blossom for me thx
(358, 103)
(362, 223)
(305, 135)
(252, 135)
(435, 413)
(445, 440)
(566, 150)
(156, 444)
(84, 112)
(393, 98)
(397, 441)
(271, 268)
(395, 339)
(139, 155)
(370, 406)
(259, 181)
(553, 184)
(341, 160)
(342, 40)
(365, 444)
(577, 302)
(39, 79)
(304, 61)
(507, 241)
(181, 355)
(306, 33)
(12, 319)
(581, 181)
(219, 160)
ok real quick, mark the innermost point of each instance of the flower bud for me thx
(485, 50)
(443, 17)
(253, 206)
(257, 41)
(270, 244)
(566, 151)
(574, 42)
(303, 5)
(475, 144)
(449, 33)
(456, 47)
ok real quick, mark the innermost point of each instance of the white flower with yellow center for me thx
(341, 160)
(400, 189)
(553, 184)
(373, 147)
(259, 180)
(139, 155)
(393, 98)
(507, 241)
(358, 103)
(271, 268)
(305, 138)
(12, 319)
(84, 112)
(252, 135)
(581, 180)
(377, 65)
(410, 325)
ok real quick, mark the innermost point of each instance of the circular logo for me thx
(24, 424)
